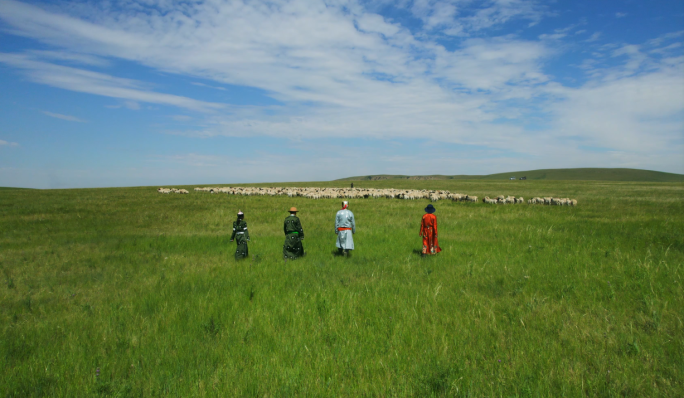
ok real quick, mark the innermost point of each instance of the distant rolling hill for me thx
(545, 174)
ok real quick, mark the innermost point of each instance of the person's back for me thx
(428, 231)
(241, 235)
(345, 219)
(293, 225)
(345, 227)
(294, 234)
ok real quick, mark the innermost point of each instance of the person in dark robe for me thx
(294, 235)
(428, 231)
(241, 235)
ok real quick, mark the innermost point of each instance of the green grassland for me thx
(524, 300)
(585, 174)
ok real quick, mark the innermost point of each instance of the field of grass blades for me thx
(124, 292)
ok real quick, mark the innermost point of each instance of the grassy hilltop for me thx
(586, 174)
(127, 292)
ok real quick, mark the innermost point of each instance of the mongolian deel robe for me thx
(345, 227)
(293, 248)
(428, 230)
(241, 237)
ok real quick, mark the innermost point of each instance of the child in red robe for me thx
(428, 231)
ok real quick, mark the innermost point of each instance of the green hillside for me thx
(586, 174)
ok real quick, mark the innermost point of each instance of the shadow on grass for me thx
(340, 253)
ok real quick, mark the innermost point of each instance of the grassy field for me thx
(586, 174)
(127, 292)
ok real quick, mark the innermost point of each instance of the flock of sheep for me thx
(172, 190)
(553, 201)
(358, 193)
(541, 201)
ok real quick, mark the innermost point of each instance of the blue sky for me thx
(163, 92)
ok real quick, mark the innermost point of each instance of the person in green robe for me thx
(242, 235)
(294, 235)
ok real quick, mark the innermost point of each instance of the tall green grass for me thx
(523, 301)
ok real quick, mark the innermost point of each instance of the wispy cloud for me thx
(459, 18)
(71, 57)
(86, 81)
(181, 118)
(64, 117)
(6, 143)
(208, 86)
(132, 105)
(340, 69)
(620, 14)
(594, 37)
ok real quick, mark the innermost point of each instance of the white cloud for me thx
(181, 118)
(85, 81)
(132, 105)
(462, 18)
(594, 37)
(493, 64)
(340, 70)
(208, 86)
(620, 14)
(637, 113)
(64, 117)
(6, 143)
(665, 37)
(376, 24)
(68, 56)
(554, 36)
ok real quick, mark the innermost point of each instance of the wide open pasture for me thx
(128, 292)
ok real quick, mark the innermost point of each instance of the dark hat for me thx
(430, 209)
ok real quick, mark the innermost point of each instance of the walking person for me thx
(345, 227)
(428, 231)
(294, 235)
(242, 235)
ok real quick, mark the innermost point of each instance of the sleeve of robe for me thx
(300, 229)
(353, 222)
(232, 237)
